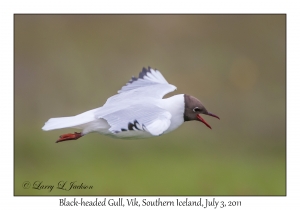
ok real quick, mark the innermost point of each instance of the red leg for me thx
(69, 136)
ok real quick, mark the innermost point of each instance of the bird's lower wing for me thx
(148, 118)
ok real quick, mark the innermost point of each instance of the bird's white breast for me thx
(175, 105)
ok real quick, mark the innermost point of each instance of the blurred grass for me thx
(160, 166)
(235, 64)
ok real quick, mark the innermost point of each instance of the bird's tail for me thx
(60, 122)
(69, 122)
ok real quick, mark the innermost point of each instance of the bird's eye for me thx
(196, 109)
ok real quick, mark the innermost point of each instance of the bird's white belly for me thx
(131, 135)
(101, 126)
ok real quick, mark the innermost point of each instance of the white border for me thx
(153, 6)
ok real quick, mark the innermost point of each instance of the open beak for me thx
(202, 120)
(213, 115)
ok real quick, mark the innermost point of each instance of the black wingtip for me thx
(133, 78)
(144, 72)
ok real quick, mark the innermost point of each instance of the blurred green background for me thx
(235, 64)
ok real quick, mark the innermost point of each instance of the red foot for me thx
(69, 136)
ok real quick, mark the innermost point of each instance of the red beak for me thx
(202, 120)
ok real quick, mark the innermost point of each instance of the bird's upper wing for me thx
(148, 77)
(144, 117)
(150, 83)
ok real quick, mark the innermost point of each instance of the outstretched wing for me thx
(148, 118)
(150, 82)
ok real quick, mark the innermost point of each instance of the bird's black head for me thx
(193, 108)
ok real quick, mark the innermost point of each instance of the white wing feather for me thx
(149, 86)
(147, 117)
(149, 78)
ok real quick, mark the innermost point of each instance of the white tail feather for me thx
(69, 122)
(60, 122)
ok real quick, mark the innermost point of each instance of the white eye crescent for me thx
(196, 109)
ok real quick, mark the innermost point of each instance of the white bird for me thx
(137, 111)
